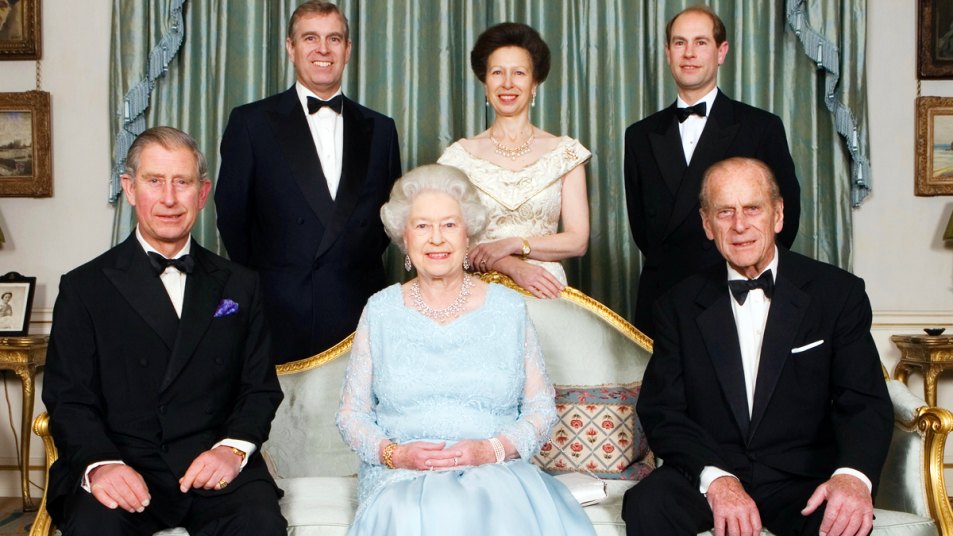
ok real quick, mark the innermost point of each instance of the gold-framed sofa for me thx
(585, 344)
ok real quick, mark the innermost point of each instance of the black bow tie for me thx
(184, 264)
(683, 113)
(741, 287)
(336, 103)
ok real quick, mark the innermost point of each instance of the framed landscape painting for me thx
(934, 143)
(25, 138)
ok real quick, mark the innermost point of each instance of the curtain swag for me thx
(827, 56)
(136, 101)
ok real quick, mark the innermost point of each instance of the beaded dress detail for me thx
(526, 202)
(412, 379)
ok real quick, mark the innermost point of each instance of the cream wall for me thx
(896, 235)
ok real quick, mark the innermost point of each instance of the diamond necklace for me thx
(451, 311)
(511, 152)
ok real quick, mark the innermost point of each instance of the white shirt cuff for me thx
(244, 446)
(709, 474)
(854, 472)
(85, 483)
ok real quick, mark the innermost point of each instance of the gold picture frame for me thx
(934, 174)
(20, 36)
(26, 168)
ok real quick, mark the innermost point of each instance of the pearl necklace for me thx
(451, 311)
(511, 152)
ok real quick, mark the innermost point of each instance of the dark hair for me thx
(317, 7)
(5, 294)
(510, 34)
(718, 26)
(738, 163)
(169, 138)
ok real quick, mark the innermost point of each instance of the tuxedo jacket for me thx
(319, 259)
(127, 380)
(820, 400)
(662, 190)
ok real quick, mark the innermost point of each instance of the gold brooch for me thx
(569, 154)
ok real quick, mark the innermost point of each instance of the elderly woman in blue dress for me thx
(446, 396)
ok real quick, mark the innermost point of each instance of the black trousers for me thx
(249, 510)
(667, 503)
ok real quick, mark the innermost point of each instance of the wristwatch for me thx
(526, 249)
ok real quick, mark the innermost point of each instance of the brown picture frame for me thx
(25, 171)
(20, 35)
(16, 303)
(934, 143)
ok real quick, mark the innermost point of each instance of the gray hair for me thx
(432, 178)
(734, 165)
(169, 138)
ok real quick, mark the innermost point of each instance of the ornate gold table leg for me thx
(929, 383)
(26, 375)
(901, 372)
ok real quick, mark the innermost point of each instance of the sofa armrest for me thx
(912, 479)
(43, 525)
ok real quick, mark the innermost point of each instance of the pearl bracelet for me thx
(498, 450)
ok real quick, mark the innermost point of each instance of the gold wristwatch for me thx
(526, 249)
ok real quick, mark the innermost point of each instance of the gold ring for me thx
(454, 461)
(222, 484)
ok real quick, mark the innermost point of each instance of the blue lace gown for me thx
(411, 379)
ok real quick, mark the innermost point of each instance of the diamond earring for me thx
(407, 265)
(466, 261)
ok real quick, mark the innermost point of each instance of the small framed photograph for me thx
(934, 146)
(16, 302)
(26, 168)
(20, 30)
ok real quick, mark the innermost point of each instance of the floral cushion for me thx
(598, 432)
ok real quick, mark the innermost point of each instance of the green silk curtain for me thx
(410, 60)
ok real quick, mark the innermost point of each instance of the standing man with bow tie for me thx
(304, 174)
(159, 381)
(667, 152)
(765, 395)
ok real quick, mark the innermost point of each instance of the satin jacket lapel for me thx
(717, 327)
(788, 307)
(358, 133)
(135, 279)
(668, 152)
(290, 127)
(203, 291)
(720, 130)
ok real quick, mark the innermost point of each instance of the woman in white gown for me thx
(446, 397)
(526, 177)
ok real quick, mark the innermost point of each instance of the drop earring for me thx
(466, 262)
(407, 265)
(533, 104)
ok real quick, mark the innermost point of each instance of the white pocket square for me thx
(806, 347)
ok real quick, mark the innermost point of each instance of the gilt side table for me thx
(930, 354)
(24, 355)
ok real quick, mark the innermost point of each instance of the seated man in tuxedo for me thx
(159, 383)
(764, 396)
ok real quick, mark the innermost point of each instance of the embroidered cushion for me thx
(599, 432)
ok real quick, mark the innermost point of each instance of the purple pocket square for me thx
(226, 307)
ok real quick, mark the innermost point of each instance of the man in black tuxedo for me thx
(159, 382)
(304, 174)
(766, 403)
(667, 153)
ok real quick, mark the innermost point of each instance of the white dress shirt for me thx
(691, 129)
(327, 132)
(174, 282)
(750, 321)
